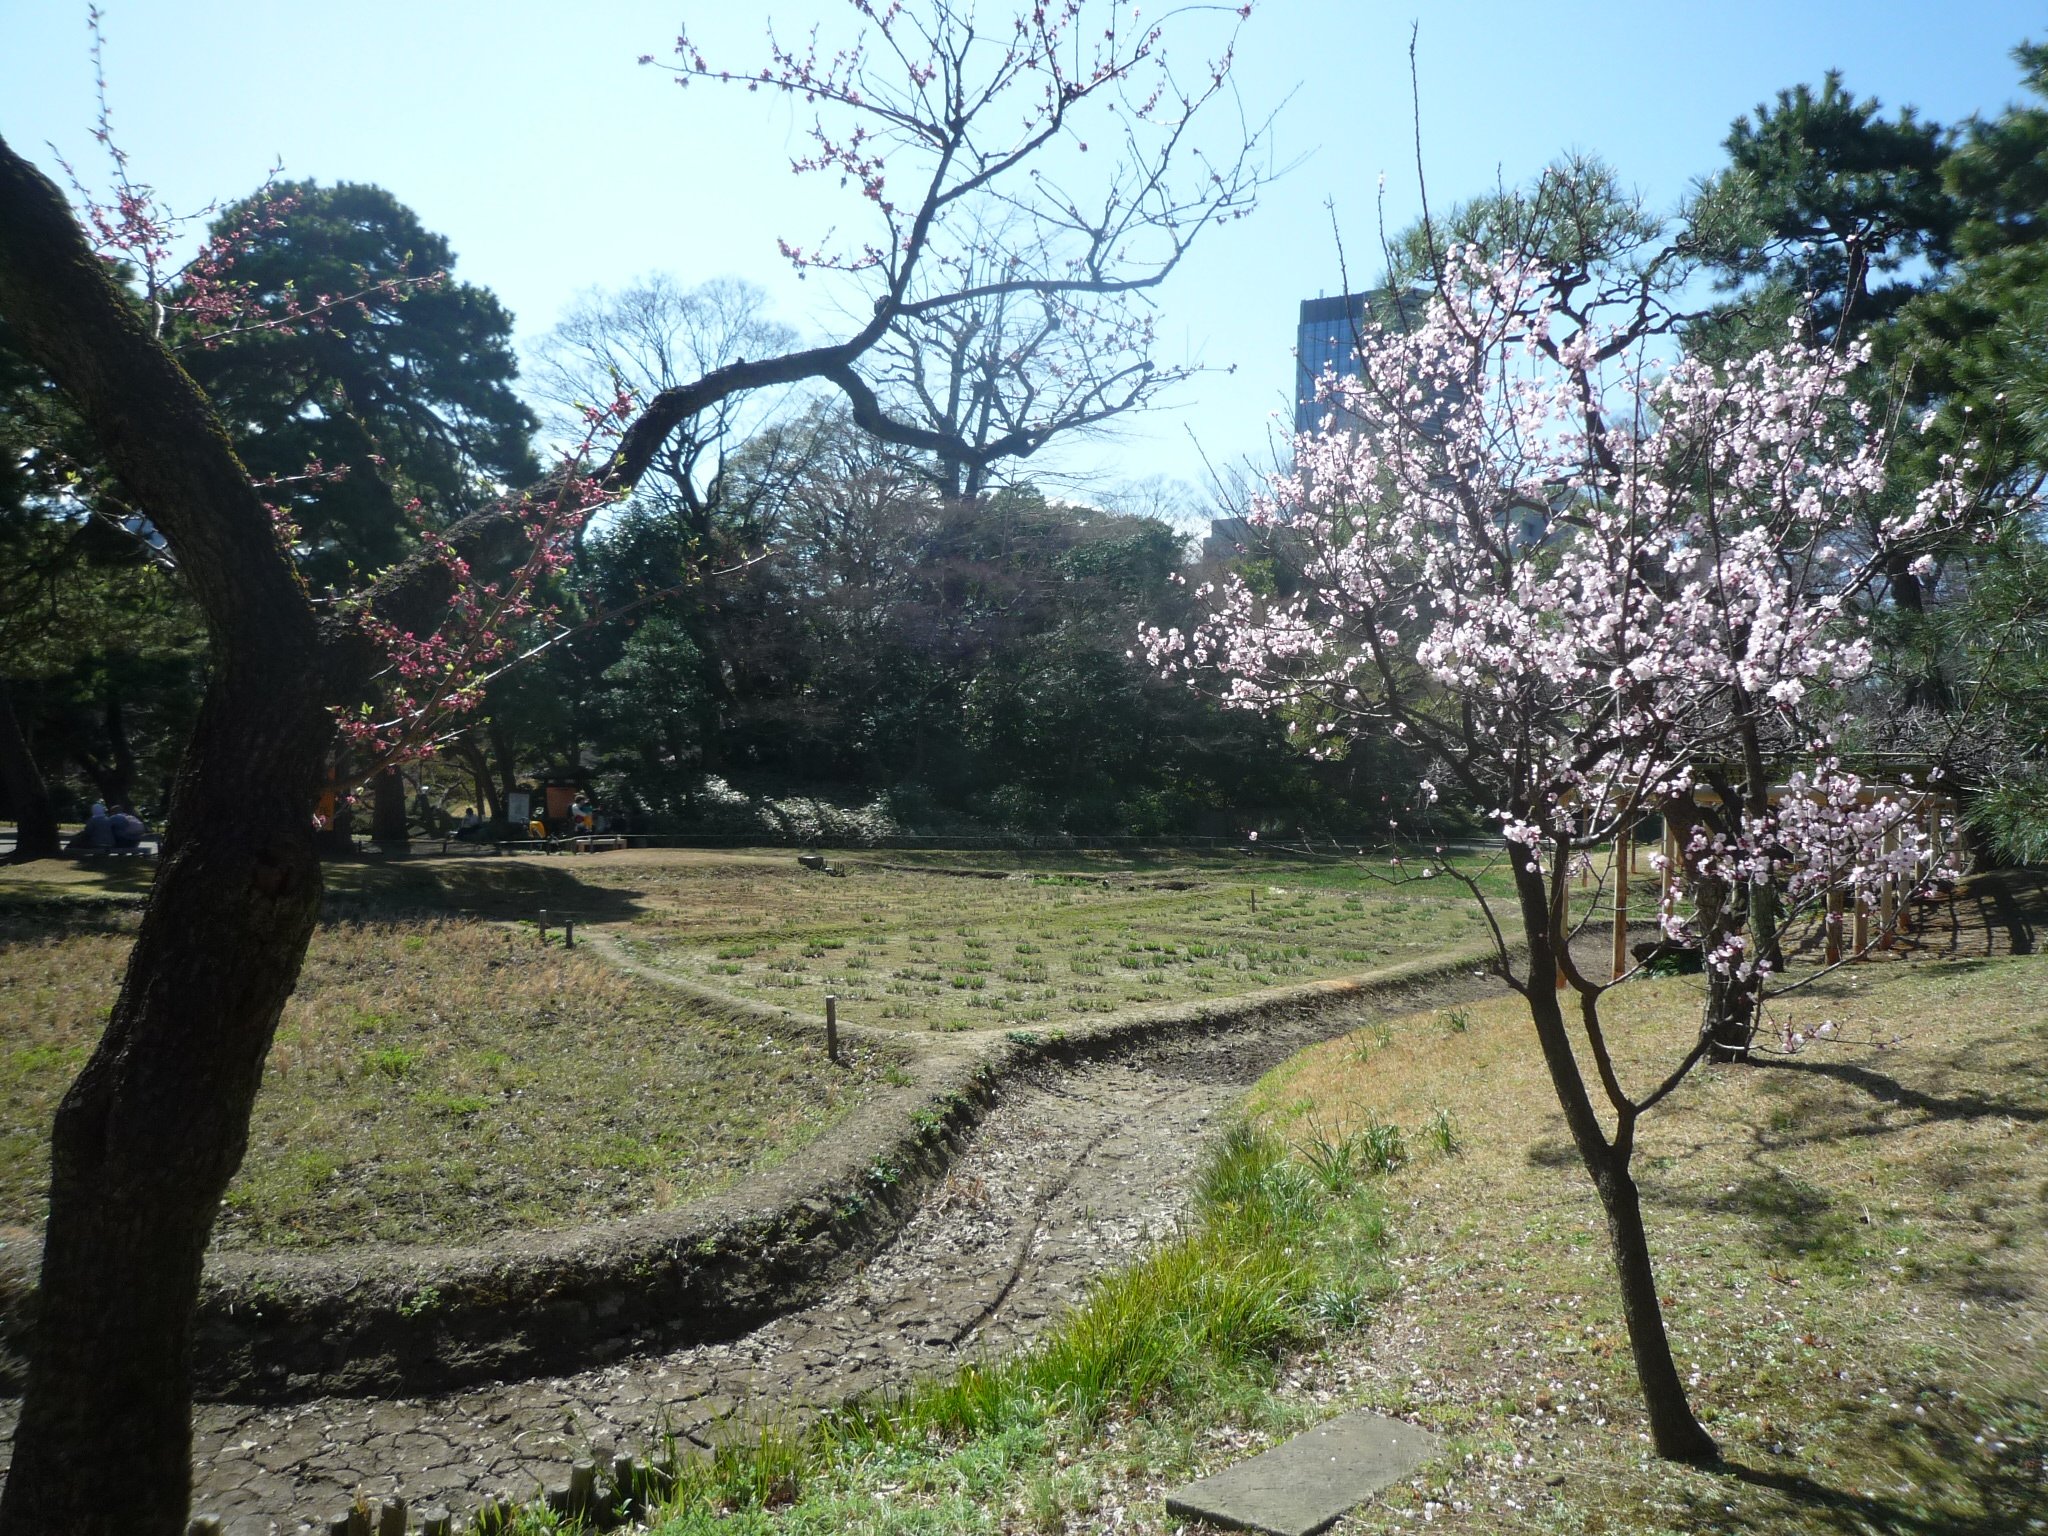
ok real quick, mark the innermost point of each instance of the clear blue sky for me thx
(525, 132)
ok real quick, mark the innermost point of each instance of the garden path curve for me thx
(1071, 1172)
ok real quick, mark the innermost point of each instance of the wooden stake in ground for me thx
(1834, 950)
(1670, 867)
(1624, 854)
(1888, 898)
(832, 1027)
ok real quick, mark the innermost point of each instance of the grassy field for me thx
(1852, 1243)
(435, 1078)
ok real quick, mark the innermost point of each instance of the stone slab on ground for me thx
(1305, 1484)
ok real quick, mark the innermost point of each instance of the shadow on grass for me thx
(75, 883)
(1889, 1090)
(2013, 901)
(497, 889)
(81, 897)
(1798, 1219)
(1983, 1474)
(24, 921)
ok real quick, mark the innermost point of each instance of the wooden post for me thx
(436, 1522)
(1861, 939)
(543, 925)
(1888, 898)
(1834, 949)
(582, 1488)
(568, 933)
(391, 1518)
(1624, 853)
(832, 1027)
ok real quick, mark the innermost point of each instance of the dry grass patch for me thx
(436, 1080)
(1852, 1244)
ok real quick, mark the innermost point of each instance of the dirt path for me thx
(1070, 1174)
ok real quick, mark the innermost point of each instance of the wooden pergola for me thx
(1935, 812)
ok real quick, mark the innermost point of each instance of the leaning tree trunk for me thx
(150, 1133)
(28, 797)
(1675, 1433)
(155, 1126)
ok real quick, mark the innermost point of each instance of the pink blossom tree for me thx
(1063, 127)
(1588, 588)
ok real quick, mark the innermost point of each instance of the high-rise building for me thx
(1326, 340)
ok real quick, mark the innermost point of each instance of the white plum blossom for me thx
(1587, 585)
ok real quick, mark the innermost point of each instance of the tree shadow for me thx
(21, 922)
(1958, 1485)
(1889, 1090)
(1553, 1154)
(2011, 900)
(493, 889)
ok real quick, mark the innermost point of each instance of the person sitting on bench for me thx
(97, 835)
(128, 829)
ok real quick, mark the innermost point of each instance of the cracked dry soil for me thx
(1071, 1173)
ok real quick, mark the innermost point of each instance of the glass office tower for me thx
(1327, 340)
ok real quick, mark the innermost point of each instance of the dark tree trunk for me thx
(28, 797)
(1675, 1433)
(121, 771)
(1927, 686)
(480, 779)
(387, 810)
(1729, 1021)
(1728, 1016)
(148, 1136)
(508, 765)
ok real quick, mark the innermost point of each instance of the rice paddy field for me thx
(948, 948)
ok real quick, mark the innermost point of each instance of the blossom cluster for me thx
(133, 230)
(1586, 585)
(432, 679)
